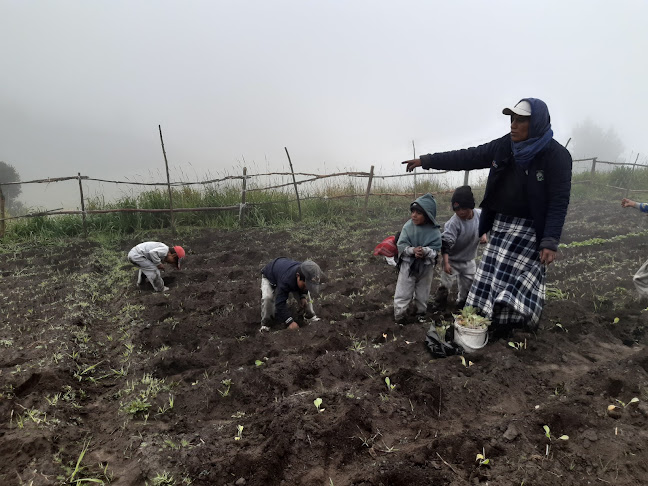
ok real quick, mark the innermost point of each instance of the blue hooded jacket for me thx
(547, 178)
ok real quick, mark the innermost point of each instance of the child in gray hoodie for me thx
(418, 245)
(459, 243)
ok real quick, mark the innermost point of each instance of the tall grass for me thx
(613, 184)
(328, 201)
(324, 201)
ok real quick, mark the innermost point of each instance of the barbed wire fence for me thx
(243, 179)
(625, 176)
(625, 181)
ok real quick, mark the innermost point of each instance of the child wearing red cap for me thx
(150, 257)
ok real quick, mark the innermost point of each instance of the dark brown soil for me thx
(89, 359)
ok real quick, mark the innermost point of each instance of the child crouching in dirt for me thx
(282, 277)
(150, 257)
(459, 242)
(640, 278)
(418, 245)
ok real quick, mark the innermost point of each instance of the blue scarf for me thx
(540, 134)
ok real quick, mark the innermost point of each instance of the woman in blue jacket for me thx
(524, 209)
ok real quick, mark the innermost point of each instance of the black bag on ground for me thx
(439, 347)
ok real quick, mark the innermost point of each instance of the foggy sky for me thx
(342, 84)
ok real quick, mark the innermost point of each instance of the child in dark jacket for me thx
(418, 245)
(282, 277)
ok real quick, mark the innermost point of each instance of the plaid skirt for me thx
(509, 286)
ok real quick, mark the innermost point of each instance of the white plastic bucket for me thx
(470, 339)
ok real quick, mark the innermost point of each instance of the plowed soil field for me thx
(103, 380)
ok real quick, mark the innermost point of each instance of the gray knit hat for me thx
(312, 275)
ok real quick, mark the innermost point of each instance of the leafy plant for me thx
(554, 293)
(390, 387)
(258, 362)
(228, 385)
(469, 317)
(163, 479)
(239, 432)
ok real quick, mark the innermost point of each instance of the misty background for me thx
(343, 84)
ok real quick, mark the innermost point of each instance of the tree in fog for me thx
(8, 173)
(590, 140)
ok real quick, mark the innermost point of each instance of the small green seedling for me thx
(616, 320)
(318, 404)
(548, 433)
(239, 432)
(228, 385)
(518, 345)
(623, 404)
(258, 362)
(560, 326)
(483, 460)
(390, 387)
(467, 364)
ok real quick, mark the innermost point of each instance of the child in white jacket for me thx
(150, 257)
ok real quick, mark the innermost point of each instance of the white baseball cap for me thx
(522, 108)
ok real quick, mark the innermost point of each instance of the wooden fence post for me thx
(294, 183)
(2, 214)
(166, 165)
(371, 173)
(83, 213)
(593, 166)
(242, 208)
(466, 177)
(630, 179)
(414, 151)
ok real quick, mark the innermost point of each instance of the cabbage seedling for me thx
(390, 387)
(483, 460)
(318, 403)
(623, 404)
(239, 432)
(469, 317)
(518, 345)
(548, 433)
(463, 362)
(258, 362)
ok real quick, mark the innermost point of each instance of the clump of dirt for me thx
(181, 388)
